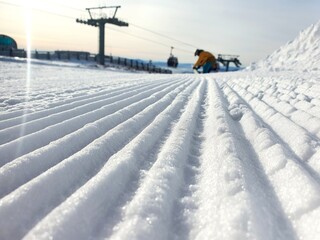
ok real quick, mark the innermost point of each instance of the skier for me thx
(206, 60)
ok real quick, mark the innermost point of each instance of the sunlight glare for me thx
(28, 24)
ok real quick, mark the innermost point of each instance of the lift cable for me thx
(147, 39)
(162, 35)
(130, 34)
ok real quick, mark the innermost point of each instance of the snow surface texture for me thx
(301, 54)
(92, 154)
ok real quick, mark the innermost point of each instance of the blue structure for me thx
(7, 43)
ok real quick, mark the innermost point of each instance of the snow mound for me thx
(302, 54)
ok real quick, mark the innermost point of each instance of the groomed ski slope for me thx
(91, 154)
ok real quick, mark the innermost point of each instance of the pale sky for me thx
(252, 29)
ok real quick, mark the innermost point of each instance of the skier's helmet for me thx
(197, 52)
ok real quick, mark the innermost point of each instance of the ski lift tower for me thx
(100, 22)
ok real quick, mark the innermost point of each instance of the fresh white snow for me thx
(300, 54)
(87, 153)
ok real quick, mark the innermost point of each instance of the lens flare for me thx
(28, 20)
(28, 24)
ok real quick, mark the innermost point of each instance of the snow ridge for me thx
(301, 54)
(146, 156)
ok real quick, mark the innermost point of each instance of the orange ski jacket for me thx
(205, 57)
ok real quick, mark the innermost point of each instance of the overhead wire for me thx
(130, 23)
(147, 39)
(37, 9)
(162, 35)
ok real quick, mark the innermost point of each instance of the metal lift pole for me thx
(101, 43)
(101, 22)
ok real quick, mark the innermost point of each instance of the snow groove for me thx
(30, 165)
(282, 125)
(40, 138)
(90, 200)
(88, 153)
(70, 105)
(162, 183)
(227, 171)
(304, 195)
(26, 128)
(56, 176)
(310, 144)
(185, 205)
